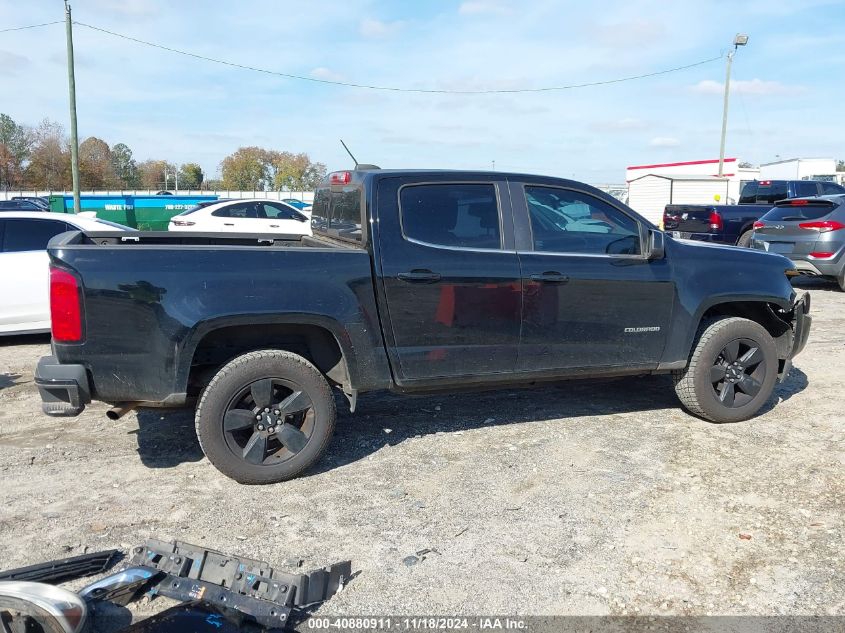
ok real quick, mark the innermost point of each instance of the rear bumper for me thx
(716, 238)
(64, 389)
(820, 267)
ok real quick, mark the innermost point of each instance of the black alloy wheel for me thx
(266, 416)
(269, 421)
(738, 373)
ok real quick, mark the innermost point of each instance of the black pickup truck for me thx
(733, 223)
(414, 281)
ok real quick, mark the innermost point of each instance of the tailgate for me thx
(687, 218)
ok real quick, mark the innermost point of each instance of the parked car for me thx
(41, 201)
(733, 223)
(21, 205)
(243, 216)
(418, 281)
(24, 266)
(303, 206)
(810, 232)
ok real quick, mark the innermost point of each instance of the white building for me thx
(800, 169)
(648, 195)
(689, 182)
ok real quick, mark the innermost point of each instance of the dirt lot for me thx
(579, 498)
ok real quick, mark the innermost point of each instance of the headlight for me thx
(57, 610)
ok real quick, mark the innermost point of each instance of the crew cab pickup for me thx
(414, 281)
(733, 223)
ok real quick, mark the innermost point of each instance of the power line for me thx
(395, 88)
(31, 26)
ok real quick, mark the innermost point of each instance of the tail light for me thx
(65, 307)
(759, 225)
(715, 221)
(340, 178)
(182, 223)
(822, 254)
(824, 226)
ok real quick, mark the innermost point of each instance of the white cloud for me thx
(370, 27)
(752, 87)
(477, 7)
(664, 141)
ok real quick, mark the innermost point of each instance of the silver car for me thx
(809, 231)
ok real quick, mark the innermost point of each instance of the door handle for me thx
(274, 226)
(550, 277)
(421, 276)
(228, 224)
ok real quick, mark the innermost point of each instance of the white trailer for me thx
(799, 169)
(648, 195)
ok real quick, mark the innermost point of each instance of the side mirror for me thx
(656, 245)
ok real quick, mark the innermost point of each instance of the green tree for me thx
(247, 168)
(15, 145)
(295, 172)
(151, 173)
(190, 176)
(213, 184)
(124, 166)
(49, 159)
(96, 170)
(840, 165)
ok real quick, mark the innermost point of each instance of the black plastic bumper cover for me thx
(802, 321)
(64, 389)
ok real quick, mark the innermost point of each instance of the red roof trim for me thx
(691, 162)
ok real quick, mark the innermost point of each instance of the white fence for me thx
(305, 196)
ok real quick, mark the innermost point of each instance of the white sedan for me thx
(25, 265)
(243, 216)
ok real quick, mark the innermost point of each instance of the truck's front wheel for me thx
(731, 373)
(265, 417)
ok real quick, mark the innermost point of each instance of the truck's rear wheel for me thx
(731, 373)
(745, 239)
(265, 417)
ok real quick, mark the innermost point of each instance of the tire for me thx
(744, 387)
(293, 432)
(744, 239)
(841, 280)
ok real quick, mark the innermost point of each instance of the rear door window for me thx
(830, 188)
(238, 210)
(30, 235)
(806, 189)
(460, 215)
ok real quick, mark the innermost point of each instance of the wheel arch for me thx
(773, 313)
(321, 340)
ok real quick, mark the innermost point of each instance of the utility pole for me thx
(71, 84)
(739, 40)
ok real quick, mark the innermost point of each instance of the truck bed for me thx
(696, 221)
(147, 303)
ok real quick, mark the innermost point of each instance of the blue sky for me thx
(786, 100)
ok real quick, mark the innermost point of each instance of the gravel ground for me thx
(581, 498)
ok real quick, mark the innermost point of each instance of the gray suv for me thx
(809, 231)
